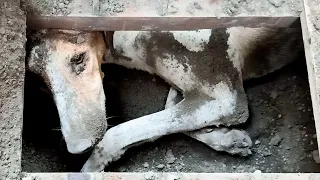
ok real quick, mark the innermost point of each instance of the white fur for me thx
(193, 40)
(124, 41)
(240, 44)
(188, 115)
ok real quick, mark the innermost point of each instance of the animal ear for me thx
(35, 60)
(108, 36)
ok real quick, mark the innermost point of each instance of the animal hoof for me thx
(239, 143)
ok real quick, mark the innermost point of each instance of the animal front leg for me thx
(190, 114)
(220, 139)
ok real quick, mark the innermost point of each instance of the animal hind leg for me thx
(220, 139)
(190, 114)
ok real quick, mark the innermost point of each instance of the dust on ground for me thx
(281, 125)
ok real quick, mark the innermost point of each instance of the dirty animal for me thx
(207, 66)
(69, 62)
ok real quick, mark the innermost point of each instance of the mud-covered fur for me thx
(69, 62)
(208, 67)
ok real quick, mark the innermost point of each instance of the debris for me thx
(122, 169)
(61, 5)
(276, 140)
(170, 157)
(2, 31)
(257, 172)
(154, 79)
(178, 167)
(265, 152)
(274, 94)
(315, 155)
(145, 165)
(282, 87)
(257, 142)
(160, 166)
(315, 136)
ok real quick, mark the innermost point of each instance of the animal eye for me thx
(78, 58)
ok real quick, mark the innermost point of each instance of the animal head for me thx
(70, 64)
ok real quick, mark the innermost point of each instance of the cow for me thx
(208, 66)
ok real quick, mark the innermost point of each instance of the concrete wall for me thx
(12, 71)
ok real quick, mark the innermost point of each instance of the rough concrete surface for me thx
(310, 21)
(169, 176)
(12, 52)
(281, 125)
(189, 8)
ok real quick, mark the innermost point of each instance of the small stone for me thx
(257, 142)
(282, 87)
(145, 165)
(257, 172)
(178, 167)
(300, 108)
(197, 5)
(2, 31)
(122, 169)
(288, 148)
(66, 2)
(315, 155)
(276, 140)
(315, 136)
(61, 5)
(170, 157)
(266, 153)
(160, 166)
(154, 79)
(279, 116)
(274, 94)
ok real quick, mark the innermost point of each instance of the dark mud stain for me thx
(272, 51)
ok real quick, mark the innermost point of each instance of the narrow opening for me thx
(281, 126)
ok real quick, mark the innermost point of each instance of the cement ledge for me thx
(170, 176)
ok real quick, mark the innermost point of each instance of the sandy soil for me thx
(281, 126)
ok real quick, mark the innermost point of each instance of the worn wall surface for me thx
(310, 21)
(12, 53)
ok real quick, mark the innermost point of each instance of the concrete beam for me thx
(160, 14)
(12, 60)
(169, 176)
(310, 23)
